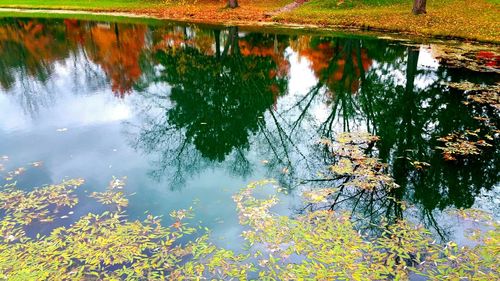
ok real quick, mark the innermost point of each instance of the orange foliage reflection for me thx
(177, 37)
(35, 44)
(116, 48)
(117, 51)
(276, 52)
(336, 64)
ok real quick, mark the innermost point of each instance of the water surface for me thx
(190, 115)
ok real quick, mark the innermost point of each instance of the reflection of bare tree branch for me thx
(314, 91)
(432, 224)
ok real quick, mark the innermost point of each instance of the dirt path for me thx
(287, 8)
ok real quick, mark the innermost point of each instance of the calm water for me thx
(190, 115)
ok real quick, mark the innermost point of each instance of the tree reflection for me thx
(218, 98)
(410, 135)
(29, 50)
(409, 118)
(32, 48)
(224, 94)
(117, 49)
(218, 102)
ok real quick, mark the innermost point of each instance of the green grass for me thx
(79, 16)
(82, 4)
(110, 5)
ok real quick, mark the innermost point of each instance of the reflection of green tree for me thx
(339, 65)
(218, 102)
(409, 118)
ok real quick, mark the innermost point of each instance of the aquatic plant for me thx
(463, 144)
(105, 246)
(40, 204)
(324, 245)
(112, 195)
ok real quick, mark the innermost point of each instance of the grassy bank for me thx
(82, 4)
(209, 11)
(474, 20)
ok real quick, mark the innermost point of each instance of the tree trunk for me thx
(411, 69)
(406, 135)
(232, 44)
(217, 43)
(234, 37)
(117, 35)
(232, 4)
(419, 7)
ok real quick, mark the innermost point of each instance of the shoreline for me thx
(393, 34)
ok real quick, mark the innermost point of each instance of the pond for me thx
(191, 114)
